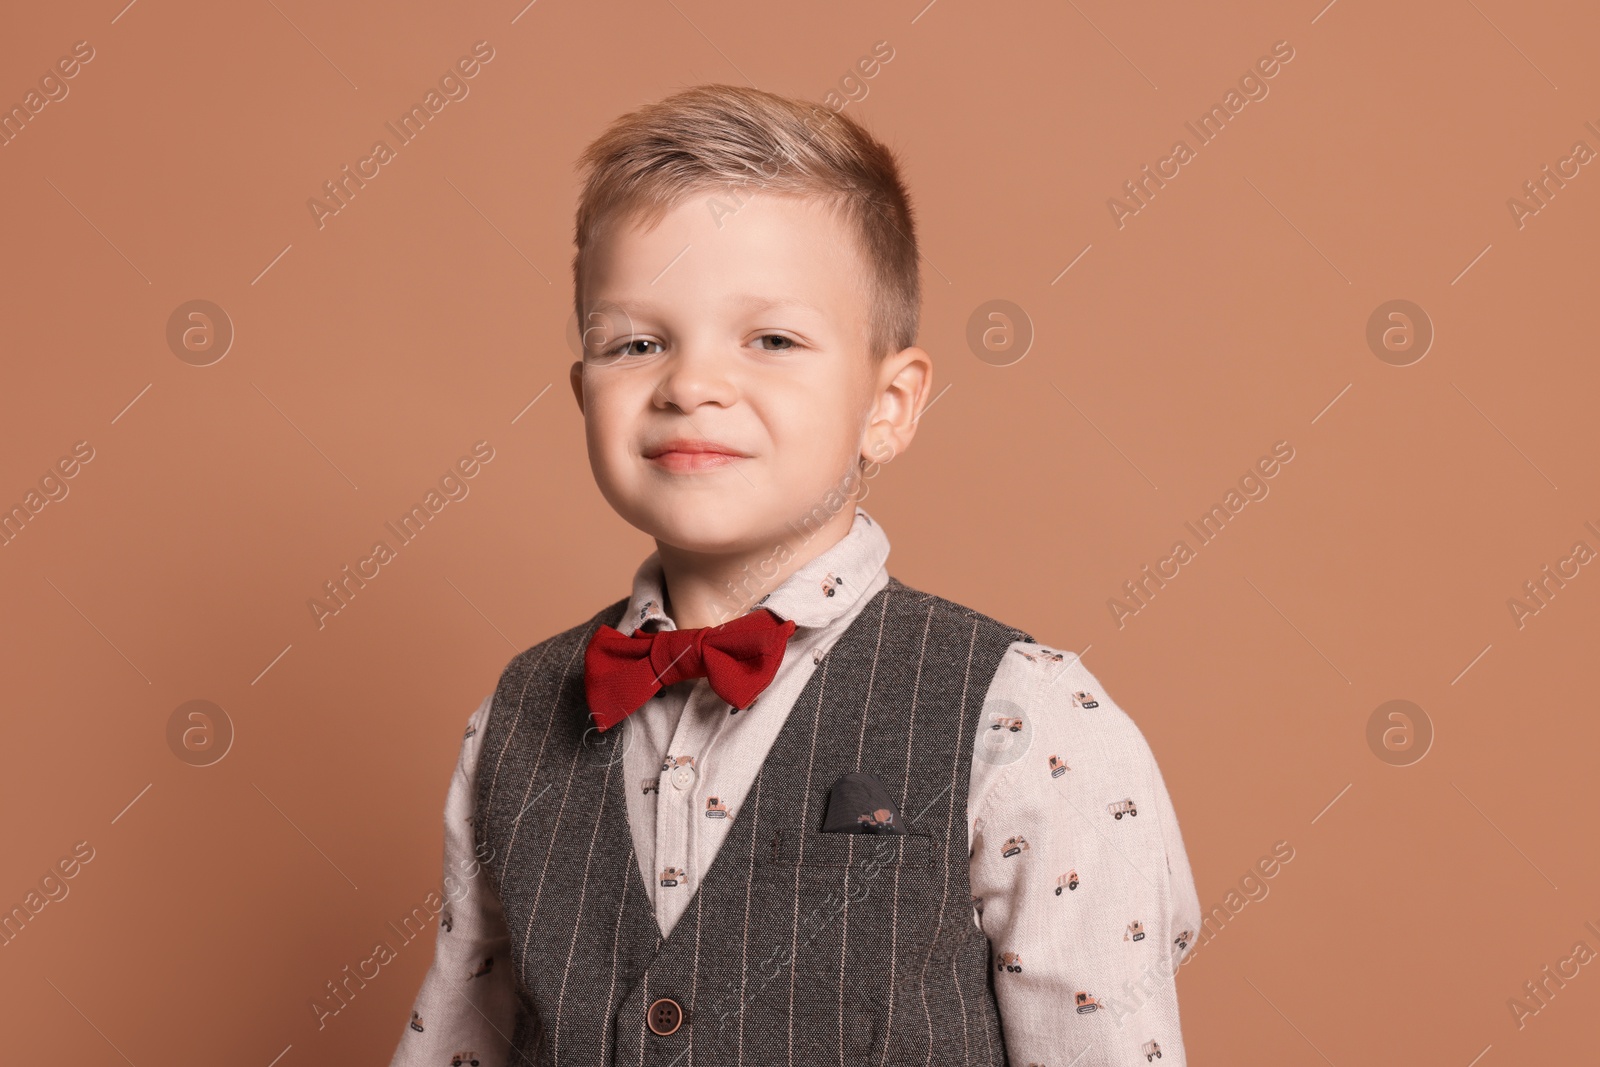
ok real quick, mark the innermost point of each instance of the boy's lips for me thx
(689, 454)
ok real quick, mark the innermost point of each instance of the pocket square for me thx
(858, 803)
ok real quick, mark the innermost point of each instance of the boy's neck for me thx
(700, 589)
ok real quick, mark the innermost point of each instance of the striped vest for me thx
(800, 947)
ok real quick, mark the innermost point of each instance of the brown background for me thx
(1228, 314)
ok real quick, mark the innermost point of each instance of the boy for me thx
(777, 806)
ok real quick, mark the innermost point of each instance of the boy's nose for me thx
(694, 376)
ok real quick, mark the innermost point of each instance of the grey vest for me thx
(800, 947)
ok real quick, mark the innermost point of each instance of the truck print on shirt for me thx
(882, 817)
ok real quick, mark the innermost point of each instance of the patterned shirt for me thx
(1079, 876)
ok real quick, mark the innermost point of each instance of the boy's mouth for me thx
(691, 454)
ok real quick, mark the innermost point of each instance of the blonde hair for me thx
(713, 137)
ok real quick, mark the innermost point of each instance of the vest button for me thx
(665, 1016)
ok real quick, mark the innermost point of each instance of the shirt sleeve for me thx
(1078, 870)
(1183, 916)
(467, 1003)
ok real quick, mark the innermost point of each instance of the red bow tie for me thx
(738, 658)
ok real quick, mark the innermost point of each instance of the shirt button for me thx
(665, 1016)
(683, 777)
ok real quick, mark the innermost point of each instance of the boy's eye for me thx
(627, 348)
(640, 346)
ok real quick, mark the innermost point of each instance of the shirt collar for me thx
(814, 595)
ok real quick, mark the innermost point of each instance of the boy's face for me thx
(751, 336)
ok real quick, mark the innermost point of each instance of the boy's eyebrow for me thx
(753, 302)
(748, 302)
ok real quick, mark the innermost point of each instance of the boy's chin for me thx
(704, 527)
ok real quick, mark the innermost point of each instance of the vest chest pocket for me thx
(860, 853)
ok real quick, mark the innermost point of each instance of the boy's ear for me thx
(577, 382)
(904, 382)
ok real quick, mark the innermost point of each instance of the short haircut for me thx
(737, 140)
